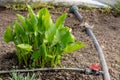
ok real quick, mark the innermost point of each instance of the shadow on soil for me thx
(8, 60)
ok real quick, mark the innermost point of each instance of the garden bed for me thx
(106, 28)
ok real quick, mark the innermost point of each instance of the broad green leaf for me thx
(26, 47)
(41, 27)
(32, 19)
(63, 36)
(60, 21)
(36, 54)
(44, 20)
(30, 25)
(8, 35)
(66, 35)
(19, 34)
(22, 20)
(46, 27)
(31, 13)
(47, 20)
(49, 34)
(18, 29)
(42, 12)
(74, 46)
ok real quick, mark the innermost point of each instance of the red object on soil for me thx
(95, 67)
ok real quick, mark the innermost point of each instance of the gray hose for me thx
(42, 69)
(106, 75)
(86, 71)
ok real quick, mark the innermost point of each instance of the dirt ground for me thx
(106, 28)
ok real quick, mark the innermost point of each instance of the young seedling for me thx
(16, 76)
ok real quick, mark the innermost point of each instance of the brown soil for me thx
(106, 28)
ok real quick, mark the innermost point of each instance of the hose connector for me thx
(74, 9)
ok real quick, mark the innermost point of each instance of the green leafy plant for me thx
(40, 42)
(16, 76)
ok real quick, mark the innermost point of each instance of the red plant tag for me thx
(95, 67)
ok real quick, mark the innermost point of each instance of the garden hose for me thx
(106, 75)
(86, 71)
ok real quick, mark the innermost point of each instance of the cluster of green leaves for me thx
(19, 6)
(16, 76)
(117, 7)
(23, 6)
(105, 10)
(39, 41)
